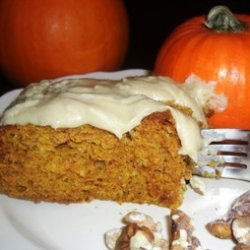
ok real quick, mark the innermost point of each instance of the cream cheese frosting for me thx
(113, 105)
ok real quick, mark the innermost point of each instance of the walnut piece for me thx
(222, 228)
(241, 246)
(142, 236)
(111, 237)
(241, 230)
(182, 232)
(197, 185)
(140, 232)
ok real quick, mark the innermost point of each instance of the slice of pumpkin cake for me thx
(129, 140)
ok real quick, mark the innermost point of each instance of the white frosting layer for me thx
(114, 105)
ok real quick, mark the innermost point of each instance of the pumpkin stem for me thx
(221, 19)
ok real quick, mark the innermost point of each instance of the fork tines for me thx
(226, 153)
(226, 134)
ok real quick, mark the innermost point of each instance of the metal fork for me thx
(225, 153)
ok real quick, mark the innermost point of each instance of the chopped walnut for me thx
(111, 237)
(197, 185)
(134, 235)
(141, 220)
(241, 206)
(241, 246)
(241, 230)
(182, 232)
(140, 232)
(222, 228)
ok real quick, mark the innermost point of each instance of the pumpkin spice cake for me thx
(129, 140)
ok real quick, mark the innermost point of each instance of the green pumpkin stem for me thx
(221, 19)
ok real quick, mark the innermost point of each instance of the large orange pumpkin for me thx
(220, 51)
(51, 38)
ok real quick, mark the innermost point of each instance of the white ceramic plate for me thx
(25, 225)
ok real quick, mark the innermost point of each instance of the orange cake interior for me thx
(142, 151)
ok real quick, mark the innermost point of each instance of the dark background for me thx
(152, 20)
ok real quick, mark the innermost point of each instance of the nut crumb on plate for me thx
(197, 185)
(222, 227)
(241, 229)
(142, 232)
(235, 224)
(182, 232)
(241, 246)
